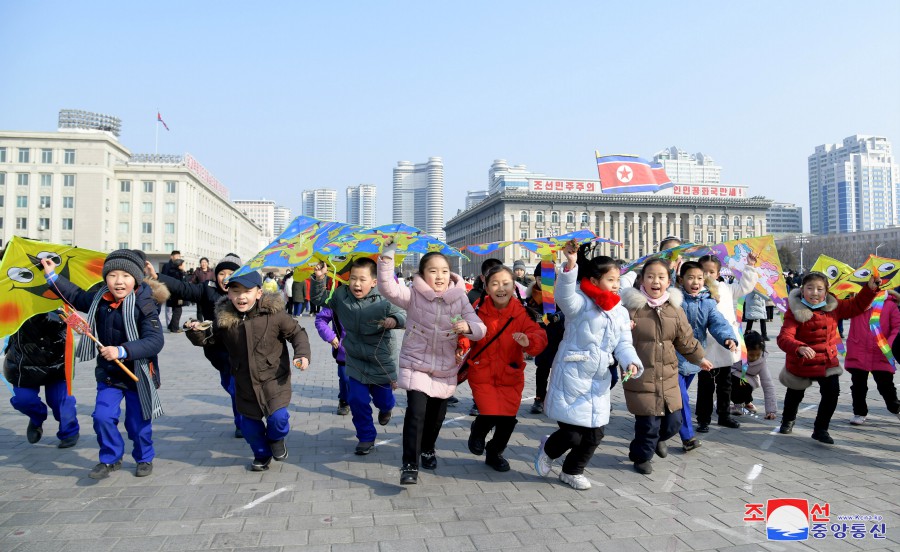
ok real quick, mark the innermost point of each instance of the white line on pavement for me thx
(259, 500)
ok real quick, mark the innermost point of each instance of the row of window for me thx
(723, 221)
(24, 179)
(46, 155)
(43, 223)
(147, 207)
(22, 202)
(145, 246)
(554, 217)
(723, 237)
(125, 186)
(146, 227)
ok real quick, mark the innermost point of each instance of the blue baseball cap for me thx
(249, 280)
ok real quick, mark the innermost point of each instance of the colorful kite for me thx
(833, 269)
(686, 250)
(875, 327)
(409, 239)
(733, 255)
(848, 281)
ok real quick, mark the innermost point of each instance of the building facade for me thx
(362, 205)
(262, 212)
(419, 195)
(320, 203)
(689, 170)
(283, 218)
(854, 186)
(81, 186)
(639, 221)
(784, 218)
(473, 198)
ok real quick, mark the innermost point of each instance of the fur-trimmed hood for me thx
(803, 313)
(633, 299)
(227, 316)
(455, 288)
(158, 291)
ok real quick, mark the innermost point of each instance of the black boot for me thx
(787, 427)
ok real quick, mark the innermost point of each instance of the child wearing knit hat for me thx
(123, 316)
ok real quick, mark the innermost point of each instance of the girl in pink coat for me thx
(437, 312)
(864, 356)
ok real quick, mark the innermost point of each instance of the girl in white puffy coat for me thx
(597, 327)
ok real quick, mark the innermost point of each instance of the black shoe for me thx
(474, 410)
(497, 461)
(823, 437)
(786, 427)
(238, 434)
(476, 445)
(279, 450)
(645, 468)
(384, 416)
(703, 428)
(261, 464)
(143, 469)
(537, 407)
(409, 474)
(364, 448)
(690, 444)
(766, 338)
(343, 409)
(428, 460)
(729, 422)
(102, 471)
(452, 401)
(68, 442)
(662, 449)
(33, 433)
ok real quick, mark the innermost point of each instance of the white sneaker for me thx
(542, 462)
(859, 420)
(577, 482)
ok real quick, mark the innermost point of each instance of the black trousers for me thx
(717, 381)
(175, 323)
(503, 427)
(762, 326)
(649, 430)
(421, 425)
(581, 442)
(829, 387)
(740, 393)
(860, 387)
(541, 376)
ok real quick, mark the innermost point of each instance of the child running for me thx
(743, 385)
(660, 330)
(437, 312)
(864, 356)
(123, 317)
(597, 327)
(809, 340)
(363, 321)
(497, 365)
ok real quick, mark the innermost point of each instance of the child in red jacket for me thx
(809, 339)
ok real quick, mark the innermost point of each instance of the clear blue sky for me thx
(275, 98)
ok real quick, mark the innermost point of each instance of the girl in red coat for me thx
(864, 356)
(809, 339)
(497, 365)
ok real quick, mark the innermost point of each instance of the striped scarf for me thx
(151, 407)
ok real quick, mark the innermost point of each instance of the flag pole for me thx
(156, 147)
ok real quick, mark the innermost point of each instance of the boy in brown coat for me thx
(255, 329)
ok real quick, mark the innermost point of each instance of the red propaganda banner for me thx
(627, 173)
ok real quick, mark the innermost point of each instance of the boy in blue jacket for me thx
(123, 316)
(700, 305)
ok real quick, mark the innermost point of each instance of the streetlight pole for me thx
(801, 240)
(877, 246)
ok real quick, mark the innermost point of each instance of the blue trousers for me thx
(218, 357)
(27, 401)
(358, 395)
(649, 430)
(687, 426)
(106, 416)
(342, 383)
(259, 434)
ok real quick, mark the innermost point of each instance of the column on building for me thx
(648, 234)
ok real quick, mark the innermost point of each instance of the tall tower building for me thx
(686, 169)
(282, 218)
(320, 203)
(361, 203)
(853, 186)
(419, 195)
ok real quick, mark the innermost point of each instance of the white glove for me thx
(389, 250)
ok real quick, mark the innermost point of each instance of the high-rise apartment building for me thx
(502, 176)
(686, 169)
(262, 212)
(282, 218)
(419, 195)
(361, 205)
(784, 218)
(320, 203)
(853, 186)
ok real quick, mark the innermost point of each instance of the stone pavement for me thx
(201, 495)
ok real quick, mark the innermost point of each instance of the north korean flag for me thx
(629, 173)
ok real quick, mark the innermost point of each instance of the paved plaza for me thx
(202, 496)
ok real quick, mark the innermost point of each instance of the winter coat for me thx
(758, 376)
(300, 291)
(288, 287)
(578, 391)
(755, 307)
(863, 352)
(35, 354)
(328, 328)
(202, 276)
(658, 334)
(728, 296)
(110, 328)
(497, 375)
(257, 343)
(428, 354)
(205, 295)
(370, 350)
(816, 329)
(703, 315)
(555, 328)
(169, 269)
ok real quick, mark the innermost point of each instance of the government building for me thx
(80, 186)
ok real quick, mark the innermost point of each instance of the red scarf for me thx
(606, 300)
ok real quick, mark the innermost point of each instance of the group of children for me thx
(655, 332)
